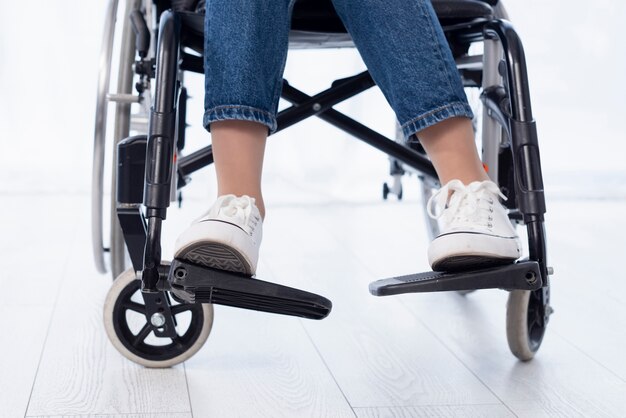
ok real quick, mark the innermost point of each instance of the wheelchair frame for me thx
(147, 169)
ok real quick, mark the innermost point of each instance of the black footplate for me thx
(524, 275)
(194, 284)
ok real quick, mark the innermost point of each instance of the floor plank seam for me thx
(428, 405)
(124, 414)
(366, 268)
(342, 241)
(42, 193)
(458, 359)
(188, 391)
(584, 353)
(327, 368)
(64, 272)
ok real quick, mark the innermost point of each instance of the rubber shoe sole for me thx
(217, 245)
(469, 262)
(462, 251)
(216, 255)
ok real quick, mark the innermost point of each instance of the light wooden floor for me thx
(427, 355)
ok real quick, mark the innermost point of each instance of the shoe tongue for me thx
(464, 200)
(221, 201)
(236, 207)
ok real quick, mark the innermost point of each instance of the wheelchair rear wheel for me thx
(124, 121)
(130, 331)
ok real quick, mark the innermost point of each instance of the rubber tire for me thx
(125, 77)
(117, 248)
(118, 286)
(517, 325)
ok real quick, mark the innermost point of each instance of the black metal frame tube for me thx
(320, 105)
(392, 148)
(517, 76)
(522, 128)
(193, 162)
(134, 229)
(524, 142)
(340, 91)
(161, 143)
(131, 162)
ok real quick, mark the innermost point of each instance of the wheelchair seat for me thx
(315, 24)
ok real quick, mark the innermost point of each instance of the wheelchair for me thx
(172, 302)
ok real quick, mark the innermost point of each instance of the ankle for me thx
(261, 206)
(466, 178)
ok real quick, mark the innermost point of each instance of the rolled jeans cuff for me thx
(239, 112)
(455, 109)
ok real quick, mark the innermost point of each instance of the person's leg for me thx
(406, 52)
(245, 51)
(238, 148)
(452, 150)
(246, 45)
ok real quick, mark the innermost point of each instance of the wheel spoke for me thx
(134, 306)
(532, 317)
(177, 342)
(535, 321)
(531, 325)
(183, 307)
(143, 334)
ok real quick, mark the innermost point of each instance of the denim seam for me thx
(438, 45)
(256, 115)
(279, 83)
(454, 109)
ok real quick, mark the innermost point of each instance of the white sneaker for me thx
(475, 229)
(227, 237)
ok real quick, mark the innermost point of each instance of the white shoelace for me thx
(238, 208)
(463, 206)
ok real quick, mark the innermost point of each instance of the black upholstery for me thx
(315, 23)
(452, 11)
(320, 16)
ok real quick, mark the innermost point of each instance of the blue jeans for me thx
(400, 41)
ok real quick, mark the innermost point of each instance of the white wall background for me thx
(49, 53)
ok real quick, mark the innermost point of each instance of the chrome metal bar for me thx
(123, 98)
(122, 128)
(469, 62)
(492, 132)
(104, 77)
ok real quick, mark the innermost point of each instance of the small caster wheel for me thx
(526, 321)
(395, 189)
(130, 332)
